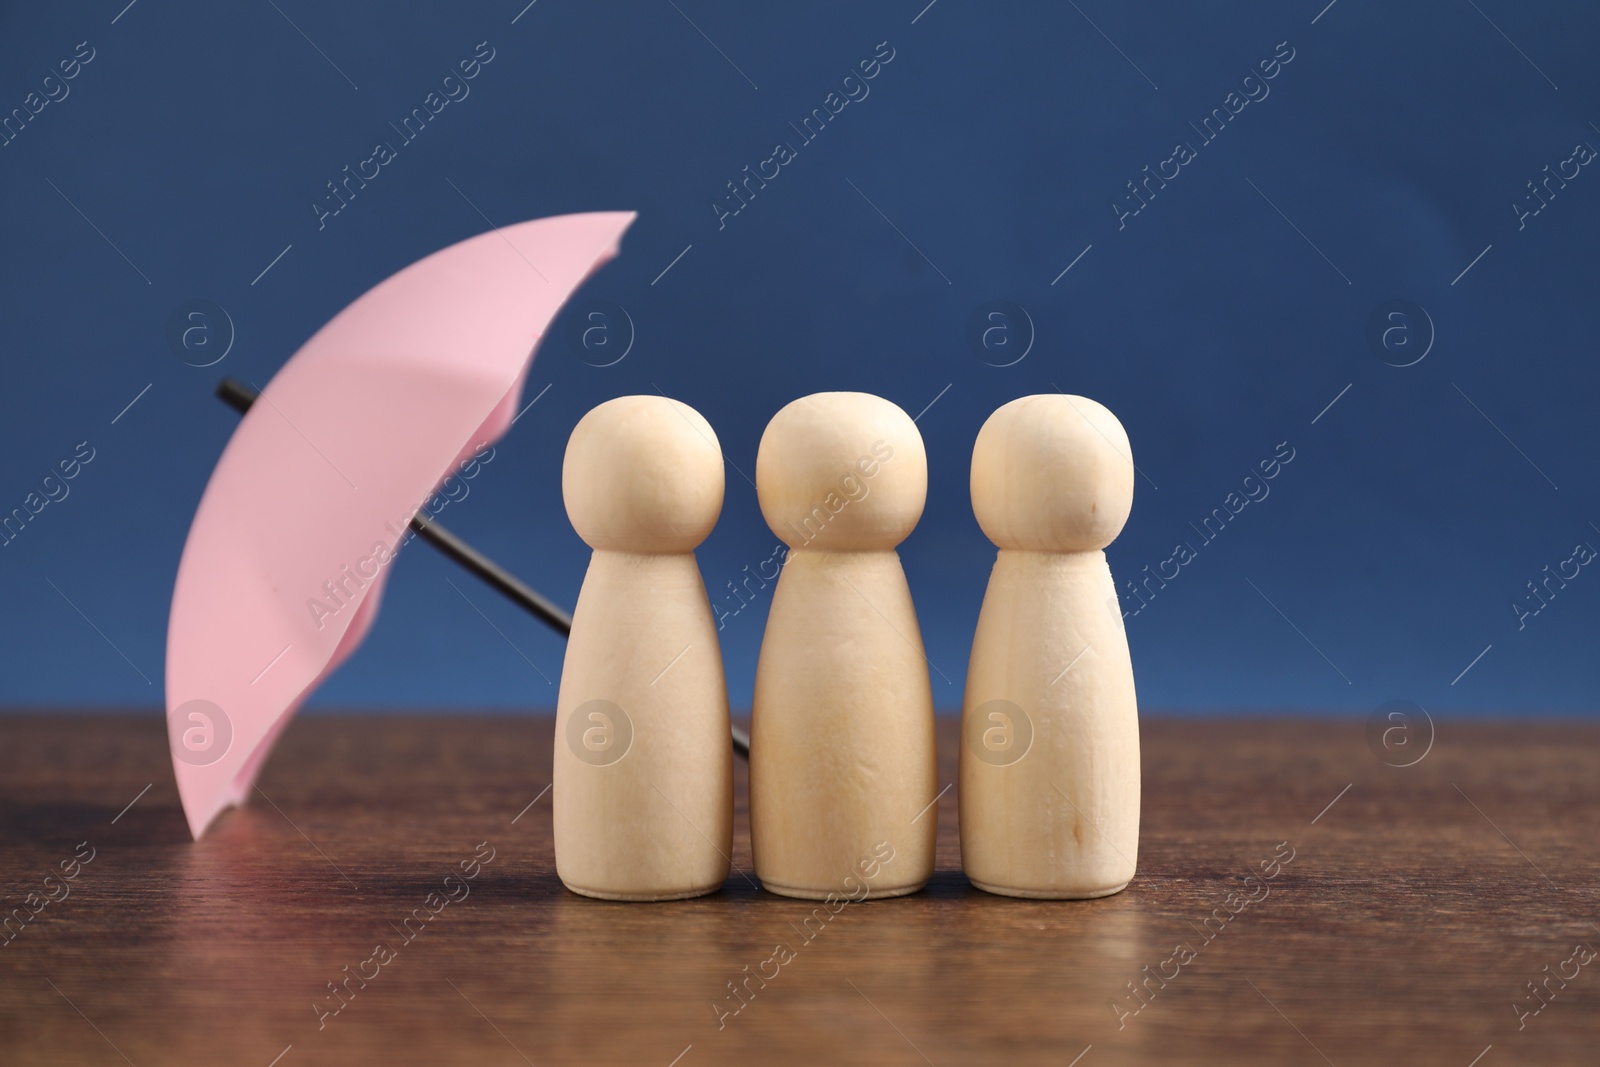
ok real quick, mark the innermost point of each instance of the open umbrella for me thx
(290, 547)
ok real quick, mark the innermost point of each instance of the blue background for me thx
(1387, 556)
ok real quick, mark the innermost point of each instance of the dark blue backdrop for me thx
(985, 167)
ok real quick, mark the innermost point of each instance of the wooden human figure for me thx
(841, 739)
(1050, 733)
(643, 777)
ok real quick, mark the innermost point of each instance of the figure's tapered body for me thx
(841, 747)
(643, 775)
(842, 741)
(1063, 820)
(1050, 774)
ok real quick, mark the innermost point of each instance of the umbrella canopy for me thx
(290, 547)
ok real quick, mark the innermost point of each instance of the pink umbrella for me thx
(289, 550)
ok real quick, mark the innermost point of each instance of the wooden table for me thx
(1418, 904)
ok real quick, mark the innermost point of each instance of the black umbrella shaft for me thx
(239, 396)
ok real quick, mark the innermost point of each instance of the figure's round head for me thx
(1052, 473)
(842, 472)
(643, 474)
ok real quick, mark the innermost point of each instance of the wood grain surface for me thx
(1418, 904)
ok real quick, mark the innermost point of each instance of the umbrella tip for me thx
(236, 394)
